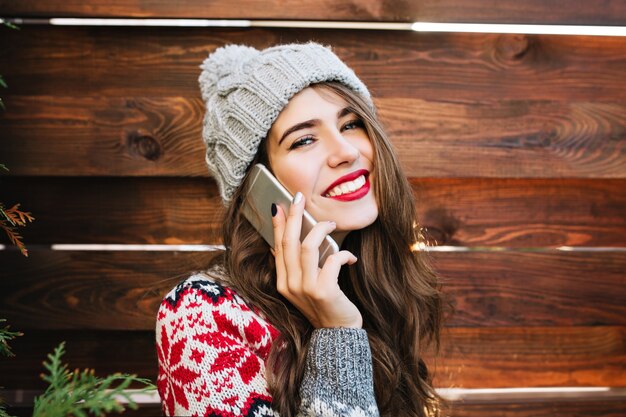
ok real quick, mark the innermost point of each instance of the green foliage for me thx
(2, 83)
(12, 217)
(3, 412)
(78, 394)
(5, 336)
(5, 350)
(9, 24)
(9, 219)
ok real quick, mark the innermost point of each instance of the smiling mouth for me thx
(347, 187)
(350, 190)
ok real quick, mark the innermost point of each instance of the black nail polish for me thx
(274, 210)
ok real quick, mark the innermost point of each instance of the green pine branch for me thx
(12, 217)
(9, 219)
(5, 336)
(3, 412)
(79, 394)
(9, 24)
(2, 83)
(5, 350)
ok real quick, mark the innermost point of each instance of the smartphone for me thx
(264, 190)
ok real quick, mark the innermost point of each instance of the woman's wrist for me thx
(355, 324)
(339, 366)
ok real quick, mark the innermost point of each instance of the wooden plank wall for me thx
(515, 146)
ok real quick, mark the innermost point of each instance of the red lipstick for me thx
(348, 177)
(355, 195)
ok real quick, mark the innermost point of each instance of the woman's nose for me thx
(341, 150)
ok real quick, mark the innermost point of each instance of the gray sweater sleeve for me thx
(338, 378)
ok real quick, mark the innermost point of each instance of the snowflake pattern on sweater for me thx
(212, 347)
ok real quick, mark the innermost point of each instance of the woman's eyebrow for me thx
(310, 123)
(298, 126)
(343, 112)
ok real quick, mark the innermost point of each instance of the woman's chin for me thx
(355, 223)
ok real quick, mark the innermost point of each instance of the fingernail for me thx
(331, 223)
(297, 198)
(274, 210)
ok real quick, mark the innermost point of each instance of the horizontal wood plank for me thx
(525, 407)
(164, 62)
(100, 351)
(144, 410)
(122, 290)
(138, 136)
(597, 12)
(470, 357)
(488, 212)
(532, 357)
(599, 408)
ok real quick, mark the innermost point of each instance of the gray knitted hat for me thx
(245, 89)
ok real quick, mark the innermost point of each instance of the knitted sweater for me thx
(212, 347)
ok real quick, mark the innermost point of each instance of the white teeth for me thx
(347, 187)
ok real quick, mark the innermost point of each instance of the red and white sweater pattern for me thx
(212, 349)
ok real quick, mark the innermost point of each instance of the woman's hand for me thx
(312, 290)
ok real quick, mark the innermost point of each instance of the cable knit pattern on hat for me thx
(244, 91)
(212, 347)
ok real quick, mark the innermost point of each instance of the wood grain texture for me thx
(138, 136)
(532, 356)
(527, 408)
(105, 352)
(469, 358)
(144, 410)
(488, 212)
(521, 213)
(122, 290)
(597, 12)
(164, 62)
(599, 408)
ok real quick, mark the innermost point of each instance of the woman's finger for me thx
(327, 279)
(291, 244)
(278, 223)
(310, 253)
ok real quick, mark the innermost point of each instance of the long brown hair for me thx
(395, 288)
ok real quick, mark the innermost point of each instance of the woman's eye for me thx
(302, 142)
(354, 124)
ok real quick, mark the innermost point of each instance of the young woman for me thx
(264, 331)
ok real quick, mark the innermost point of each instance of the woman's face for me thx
(318, 148)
